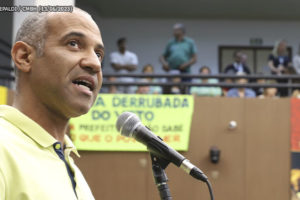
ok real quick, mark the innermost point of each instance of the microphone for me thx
(130, 125)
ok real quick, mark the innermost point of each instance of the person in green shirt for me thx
(180, 52)
(206, 91)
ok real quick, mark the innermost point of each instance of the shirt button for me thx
(57, 146)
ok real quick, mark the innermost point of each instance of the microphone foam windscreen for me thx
(127, 122)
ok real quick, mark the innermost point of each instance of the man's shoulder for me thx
(10, 135)
(7, 131)
(189, 40)
(230, 66)
(250, 92)
(232, 92)
(171, 41)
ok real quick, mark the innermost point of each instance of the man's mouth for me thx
(85, 83)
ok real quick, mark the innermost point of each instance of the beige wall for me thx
(254, 165)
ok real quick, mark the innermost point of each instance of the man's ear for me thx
(22, 55)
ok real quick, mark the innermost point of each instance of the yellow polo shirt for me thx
(33, 165)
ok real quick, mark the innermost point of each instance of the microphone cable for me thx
(210, 190)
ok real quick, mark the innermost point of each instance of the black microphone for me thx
(130, 125)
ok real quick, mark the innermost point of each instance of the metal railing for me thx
(290, 81)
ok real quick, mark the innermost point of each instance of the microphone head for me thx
(127, 123)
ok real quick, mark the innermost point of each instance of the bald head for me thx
(34, 28)
(54, 53)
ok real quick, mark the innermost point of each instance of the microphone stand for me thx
(160, 177)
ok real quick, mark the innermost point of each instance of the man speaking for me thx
(58, 76)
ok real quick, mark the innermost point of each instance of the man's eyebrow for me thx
(72, 34)
(79, 34)
(100, 46)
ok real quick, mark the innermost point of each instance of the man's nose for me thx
(91, 62)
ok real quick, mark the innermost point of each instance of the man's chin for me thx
(80, 110)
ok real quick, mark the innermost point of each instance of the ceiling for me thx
(196, 9)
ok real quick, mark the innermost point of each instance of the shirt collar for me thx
(69, 145)
(183, 39)
(31, 128)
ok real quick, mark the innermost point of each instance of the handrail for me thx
(218, 76)
(289, 84)
(185, 84)
(6, 68)
(7, 77)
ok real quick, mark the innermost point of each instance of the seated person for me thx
(145, 89)
(260, 91)
(175, 89)
(241, 92)
(239, 65)
(112, 89)
(149, 69)
(269, 93)
(205, 91)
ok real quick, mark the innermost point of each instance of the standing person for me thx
(124, 62)
(239, 65)
(279, 59)
(279, 62)
(296, 61)
(58, 76)
(180, 52)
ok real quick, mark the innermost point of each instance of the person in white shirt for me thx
(124, 62)
(296, 61)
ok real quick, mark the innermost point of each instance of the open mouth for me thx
(84, 84)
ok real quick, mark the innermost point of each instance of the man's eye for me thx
(99, 55)
(73, 43)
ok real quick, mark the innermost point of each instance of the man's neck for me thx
(51, 121)
(122, 51)
(179, 39)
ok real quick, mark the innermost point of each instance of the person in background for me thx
(175, 89)
(180, 52)
(241, 92)
(206, 91)
(145, 89)
(239, 65)
(269, 92)
(124, 62)
(279, 60)
(149, 69)
(296, 61)
(259, 91)
(244, 59)
(111, 89)
(226, 89)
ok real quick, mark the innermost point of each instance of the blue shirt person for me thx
(241, 92)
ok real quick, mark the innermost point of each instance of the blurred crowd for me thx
(178, 57)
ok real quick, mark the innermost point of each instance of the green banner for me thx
(168, 116)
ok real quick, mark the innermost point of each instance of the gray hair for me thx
(179, 26)
(33, 31)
